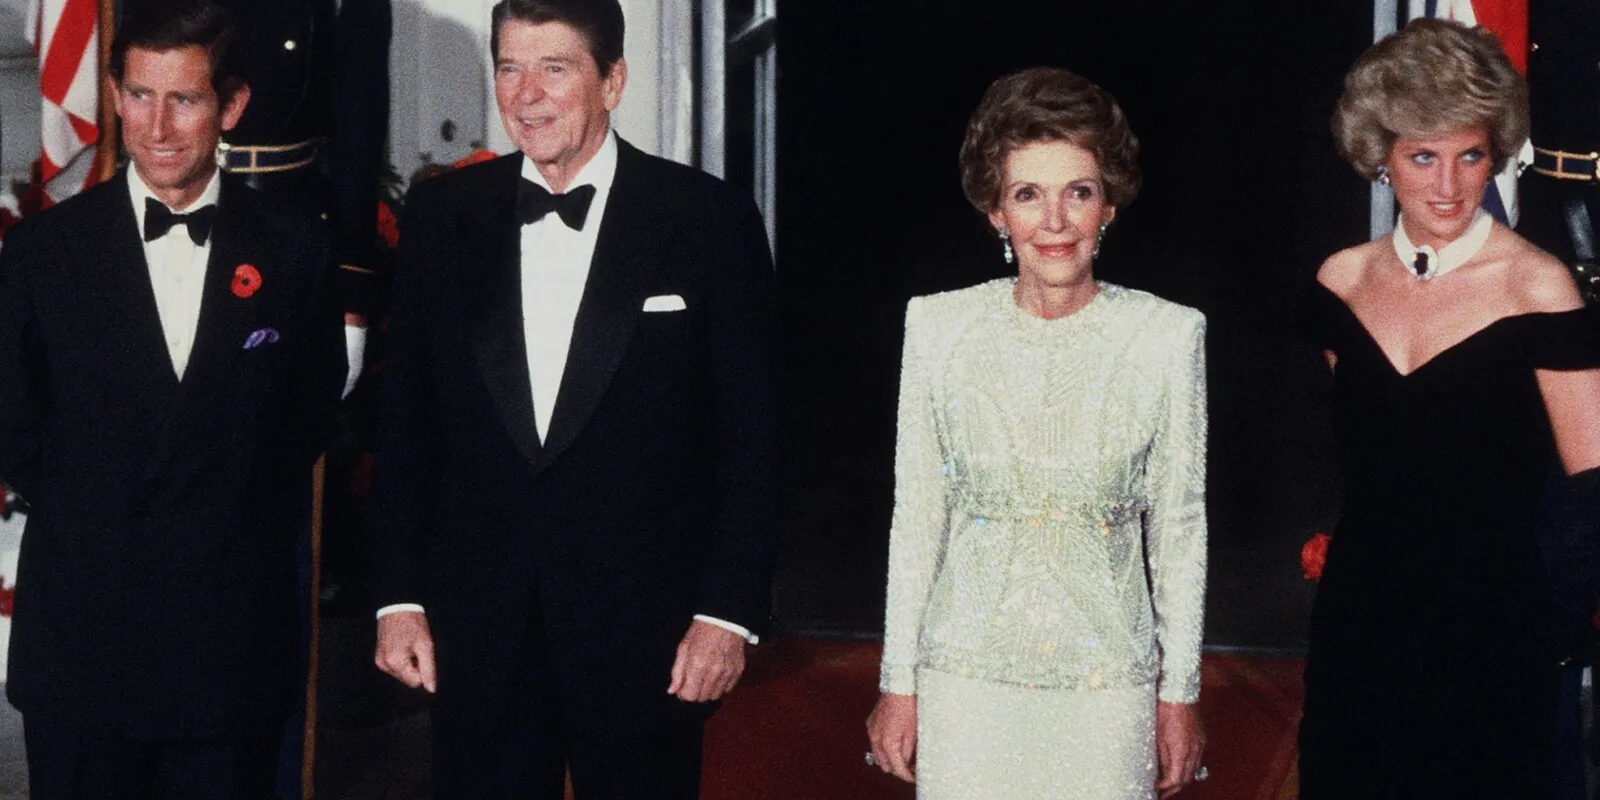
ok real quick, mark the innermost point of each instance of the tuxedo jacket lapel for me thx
(118, 279)
(495, 332)
(612, 298)
(235, 236)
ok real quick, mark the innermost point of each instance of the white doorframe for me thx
(755, 41)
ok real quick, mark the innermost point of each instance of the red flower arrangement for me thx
(1313, 554)
(246, 281)
(388, 226)
(475, 157)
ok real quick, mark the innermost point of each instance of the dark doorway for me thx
(1243, 198)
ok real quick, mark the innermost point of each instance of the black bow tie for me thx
(535, 201)
(158, 220)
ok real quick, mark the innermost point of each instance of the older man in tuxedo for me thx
(170, 361)
(574, 492)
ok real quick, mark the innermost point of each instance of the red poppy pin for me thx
(246, 280)
(1314, 554)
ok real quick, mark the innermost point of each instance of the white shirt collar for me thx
(599, 172)
(1453, 255)
(138, 190)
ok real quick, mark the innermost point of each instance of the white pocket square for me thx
(664, 302)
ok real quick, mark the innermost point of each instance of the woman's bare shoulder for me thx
(1344, 269)
(1538, 280)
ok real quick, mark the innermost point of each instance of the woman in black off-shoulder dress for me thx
(1463, 383)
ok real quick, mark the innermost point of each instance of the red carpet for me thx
(796, 727)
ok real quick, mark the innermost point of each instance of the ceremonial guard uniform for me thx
(1560, 208)
(313, 137)
(1561, 190)
(318, 117)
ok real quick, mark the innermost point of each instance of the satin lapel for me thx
(118, 280)
(236, 237)
(494, 300)
(612, 300)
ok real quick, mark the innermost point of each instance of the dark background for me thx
(1243, 198)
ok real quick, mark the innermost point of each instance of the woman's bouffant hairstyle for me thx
(1435, 77)
(1045, 104)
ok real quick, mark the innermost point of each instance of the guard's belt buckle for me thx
(256, 159)
(1555, 164)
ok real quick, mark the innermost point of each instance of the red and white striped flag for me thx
(66, 35)
(1508, 20)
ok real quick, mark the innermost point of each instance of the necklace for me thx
(1425, 263)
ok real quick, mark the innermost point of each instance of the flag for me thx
(1507, 20)
(66, 36)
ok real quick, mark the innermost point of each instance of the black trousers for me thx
(522, 752)
(80, 760)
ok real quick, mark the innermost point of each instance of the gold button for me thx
(1533, 47)
(290, 45)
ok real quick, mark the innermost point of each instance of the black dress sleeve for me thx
(1566, 340)
(1316, 318)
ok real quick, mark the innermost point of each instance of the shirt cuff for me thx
(398, 607)
(743, 632)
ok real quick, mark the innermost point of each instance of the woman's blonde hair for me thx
(1433, 78)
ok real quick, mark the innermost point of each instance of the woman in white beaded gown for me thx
(1048, 551)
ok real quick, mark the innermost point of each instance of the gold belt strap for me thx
(1588, 162)
(256, 159)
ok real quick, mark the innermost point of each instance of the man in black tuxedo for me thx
(574, 496)
(170, 361)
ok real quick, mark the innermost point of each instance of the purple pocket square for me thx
(261, 337)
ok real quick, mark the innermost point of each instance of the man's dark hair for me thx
(163, 25)
(599, 22)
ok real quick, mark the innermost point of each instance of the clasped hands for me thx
(708, 663)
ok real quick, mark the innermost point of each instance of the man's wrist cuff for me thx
(742, 631)
(398, 607)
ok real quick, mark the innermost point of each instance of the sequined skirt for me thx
(978, 738)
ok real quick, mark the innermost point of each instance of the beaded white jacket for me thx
(1049, 524)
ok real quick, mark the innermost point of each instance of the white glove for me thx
(355, 350)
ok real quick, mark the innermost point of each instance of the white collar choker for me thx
(1425, 263)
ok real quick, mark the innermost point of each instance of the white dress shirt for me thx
(555, 267)
(177, 269)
